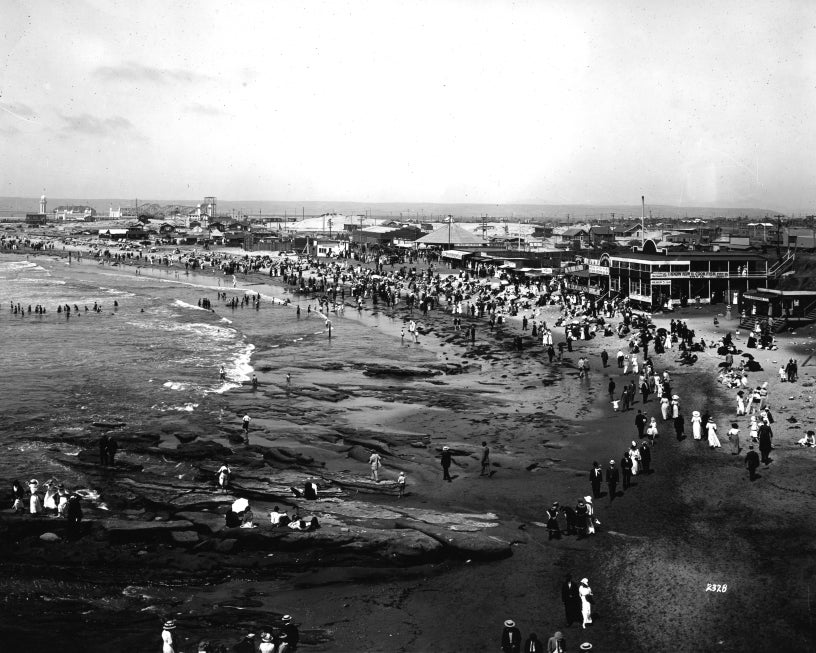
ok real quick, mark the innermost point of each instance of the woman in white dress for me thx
(625, 364)
(740, 403)
(634, 455)
(696, 425)
(664, 408)
(754, 429)
(675, 406)
(590, 515)
(168, 639)
(651, 431)
(711, 428)
(585, 592)
(635, 364)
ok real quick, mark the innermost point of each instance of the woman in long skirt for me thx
(664, 407)
(696, 425)
(651, 431)
(585, 592)
(675, 406)
(740, 403)
(634, 455)
(711, 428)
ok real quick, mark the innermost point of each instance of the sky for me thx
(688, 103)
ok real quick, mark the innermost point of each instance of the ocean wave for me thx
(114, 291)
(174, 385)
(189, 407)
(21, 265)
(182, 304)
(238, 370)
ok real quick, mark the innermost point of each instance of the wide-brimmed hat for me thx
(676, 397)
(586, 646)
(584, 581)
(169, 624)
(558, 634)
(33, 481)
(286, 617)
(509, 623)
(695, 413)
(249, 636)
(634, 444)
(445, 448)
(266, 637)
(588, 499)
(611, 462)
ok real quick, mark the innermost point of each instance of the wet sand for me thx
(696, 520)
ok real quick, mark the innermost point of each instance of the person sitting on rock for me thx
(248, 519)
(275, 516)
(309, 491)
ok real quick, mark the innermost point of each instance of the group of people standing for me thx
(56, 500)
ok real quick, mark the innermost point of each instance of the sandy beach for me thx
(441, 568)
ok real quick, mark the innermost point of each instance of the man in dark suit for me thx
(511, 638)
(640, 423)
(595, 477)
(612, 478)
(626, 470)
(751, 462)
(571, 600)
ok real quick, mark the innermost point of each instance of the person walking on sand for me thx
(640, 423)
(734, 436)
(612, 478)
(679, 427)
(595, 478)
(751, 462)
(651, 430)
(571, 600)
(711, 429)
(765, 446)
(696, 425)
(585, 592)
(485, 460)
(553, 528)
(445, 461)
(626, 470)
(620, 357)
(611, 389)
(375, 461)
(604, 358)
(511, 638)
(556, 643)
(168, 636)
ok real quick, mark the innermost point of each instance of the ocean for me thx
(155, 354)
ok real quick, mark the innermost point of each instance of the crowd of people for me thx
(282, 637)
(51, 499)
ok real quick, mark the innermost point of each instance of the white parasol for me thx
(239, 505)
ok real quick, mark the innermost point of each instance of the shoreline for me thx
(522, 425)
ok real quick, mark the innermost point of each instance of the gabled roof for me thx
(573, 231)
(604, 230)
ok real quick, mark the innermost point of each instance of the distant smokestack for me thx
(642, 206)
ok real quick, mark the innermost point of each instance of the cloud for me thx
(205, 110)
(132, 71)
(88, 124)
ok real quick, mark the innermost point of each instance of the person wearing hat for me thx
(752, 462)
(533, 644)
(445, 461)
(34, 502)
(645, 457)
(711, 430)
(696, 425)
(765, 437)
(595, 478)
(626, 470)
(168, 636)
(511, 638)
(204, 646)
(679, 427)
(612, 478)
(556, 643)
(267, 643)
(62, 500)
(585, 592)
(640, 423)
(553, 529)
(581, 519)
(289, 634)
(634, 456)
(571, 600)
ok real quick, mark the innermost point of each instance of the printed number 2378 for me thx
(710, 587)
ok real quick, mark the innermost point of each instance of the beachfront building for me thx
(75, 213)
(655, 278)
(780, 309)
(450, 236)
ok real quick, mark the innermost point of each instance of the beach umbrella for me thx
(239, 505)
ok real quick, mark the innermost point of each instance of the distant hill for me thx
(426, 212)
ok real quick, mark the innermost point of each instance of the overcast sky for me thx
(441, 101)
